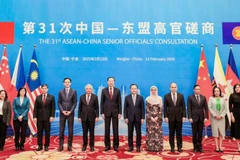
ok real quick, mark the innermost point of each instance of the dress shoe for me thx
(46, 148)
(194, 150)
(220, 150)
(60, 149)
(39, 148)
(172, 150)
(1, 149)
(138, 149)
(130, 149)
(22, 148)
(70, 149)
(180, 150)
(84, 148)
(200, 150)
(17, 148)
(115, 149)
(91, 149)
(107, 148)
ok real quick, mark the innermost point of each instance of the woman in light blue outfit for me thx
(218, 108)
(21, 107)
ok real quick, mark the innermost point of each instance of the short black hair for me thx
(133, 85)
(196, 85)
(214, 90)
(6, 96)
(66, 79)
(111, 77)
(235, 86)
(25, 95)
(44, 85)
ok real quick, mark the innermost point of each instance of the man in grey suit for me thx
(67, 101)
(197, 115)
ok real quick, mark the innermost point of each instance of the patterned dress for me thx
(154, 137)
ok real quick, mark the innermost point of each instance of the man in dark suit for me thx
(175, 115)
(197, 115)
(134, 115)
(88, 114)
(67, 101)
(44, 113)
(111, 108)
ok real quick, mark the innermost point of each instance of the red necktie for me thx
(110, 92)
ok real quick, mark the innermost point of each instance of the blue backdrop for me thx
(139, 41)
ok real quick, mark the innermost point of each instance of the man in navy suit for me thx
(197, 115)
(134, 116)
(67, 101)
(111, 109)
(43, 115)
(88, 114)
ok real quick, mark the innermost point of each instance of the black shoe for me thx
(17, 148)
(70, 149)
(130, 149)
(172, 150)
(180, 150)
(1, 149)
(217, 150)
(84, 148)
(107, 148)
(220, 150)
(200, 150)
(46, 148)
(22, 148)
(91, 149)
(138, 149)
(39, 148)
(60, 149)
(116, 149)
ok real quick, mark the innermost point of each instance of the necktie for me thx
(198, 99)
(110, 93)
(44, 99)
(218, 104)
(67, 93)
(88, 99)
(134, 99)
(174, 99)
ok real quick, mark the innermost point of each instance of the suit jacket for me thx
(42, 111)
(197, 111)
(6, 109)
(88, 112)
(21, 110)
(111, 106)
(67, 104)
(131, 110)
(174, 112)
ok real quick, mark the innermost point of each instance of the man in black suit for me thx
(134, 115)
(88, 114)
(43, 115)
(111, 108)
(175, 115)
(197, 115)
(67, 101)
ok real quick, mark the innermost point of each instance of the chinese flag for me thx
(5, 79)
(204, 81)
(6, 32)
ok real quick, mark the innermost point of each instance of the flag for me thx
(18, 78)
(220, 80)
(231, 32)
(203, 80)
(231, 73)
(6, 32)
(5, 79)
(33, 87)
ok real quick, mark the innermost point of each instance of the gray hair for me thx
(89, 85)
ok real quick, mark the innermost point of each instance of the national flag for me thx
(18, 78)
(231, 32)
(203, 80)
(231, 73)
(5, 79)
(220, 80)
(33, 87)
(6, 32)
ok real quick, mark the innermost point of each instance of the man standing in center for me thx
(67, 101)
(111, 108)
(134, 116)
(175, 115)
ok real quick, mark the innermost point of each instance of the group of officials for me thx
(174, 111)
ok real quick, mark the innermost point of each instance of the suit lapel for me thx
(195, 99)
(170, 96)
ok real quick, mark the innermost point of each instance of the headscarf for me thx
(154, 99)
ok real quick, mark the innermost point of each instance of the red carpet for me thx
(9, 153)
